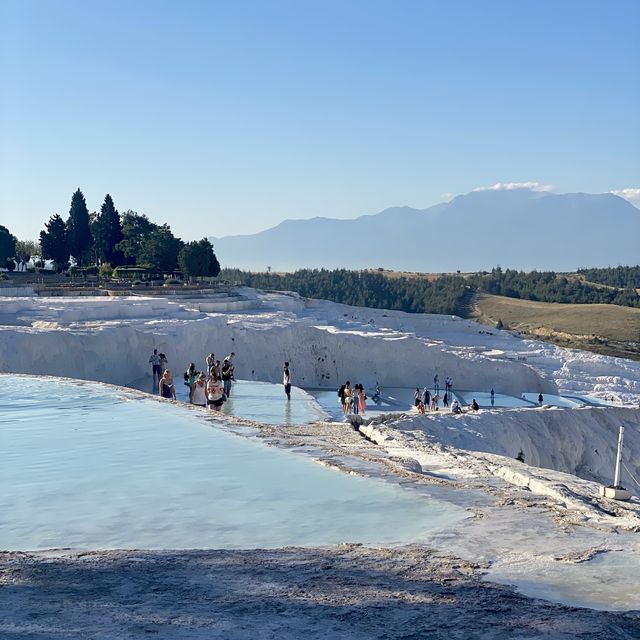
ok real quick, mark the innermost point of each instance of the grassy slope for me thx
(602, 328)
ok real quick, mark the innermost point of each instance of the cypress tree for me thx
(107, 232)
(78, 231)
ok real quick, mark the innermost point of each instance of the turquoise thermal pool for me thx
(91, 466)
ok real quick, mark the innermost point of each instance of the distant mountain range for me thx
(518, 228)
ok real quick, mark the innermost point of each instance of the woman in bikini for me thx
(165, 387)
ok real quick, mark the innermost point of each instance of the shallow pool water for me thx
(85, 466)
(328, 400)
(260, 401)
(556, 401)
(500, 400)
(609, 581)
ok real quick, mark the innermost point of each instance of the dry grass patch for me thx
(604, 328)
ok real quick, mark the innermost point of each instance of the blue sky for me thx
(228, 117)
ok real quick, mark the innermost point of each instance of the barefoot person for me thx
(215, 394)
(155, 366)
(190, 377)
(286, 380)
(200, 391)
(227, 376)
(166, 388)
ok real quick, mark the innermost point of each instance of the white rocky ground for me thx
(530, 518)
(109, 339)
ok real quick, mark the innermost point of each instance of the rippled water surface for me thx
(87, 466)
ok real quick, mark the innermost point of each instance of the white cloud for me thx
(508, 186)
(631, 194)
(447, 196)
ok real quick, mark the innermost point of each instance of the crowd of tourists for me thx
(211, 387)
(208, 388)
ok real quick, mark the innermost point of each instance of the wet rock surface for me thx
(348, 591)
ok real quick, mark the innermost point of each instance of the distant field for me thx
(603, 328)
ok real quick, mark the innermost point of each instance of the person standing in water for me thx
(346, 404)
(215, 394)
(493, 397)
(199, 394)
(211, 361)
(190, 377)
(166, 388)
(362, 399)
(155, 366)
(286, 380)
(227, 376)
(426, 399)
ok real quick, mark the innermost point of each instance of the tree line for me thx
(549, 286)
(109, 240)
(448, 294)
(622, 277)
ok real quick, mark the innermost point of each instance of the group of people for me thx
(209, 388)
(448, 385)
(353, 400)
(426, 401)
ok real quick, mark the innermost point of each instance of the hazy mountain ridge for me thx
(517, 228)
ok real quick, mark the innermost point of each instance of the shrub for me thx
(106, 270)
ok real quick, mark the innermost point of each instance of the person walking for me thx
(155, 366)
(426, 399)
(286, 380)
(436, 384)
(355, 400)
(540, 399)
(445, 400)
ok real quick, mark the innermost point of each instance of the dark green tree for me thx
(106, 229)
(136, 228)
(7, 245)
(197, 259)
(78, 231)
(54, 243)
(161, 249)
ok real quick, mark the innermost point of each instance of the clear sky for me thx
(228, 117)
